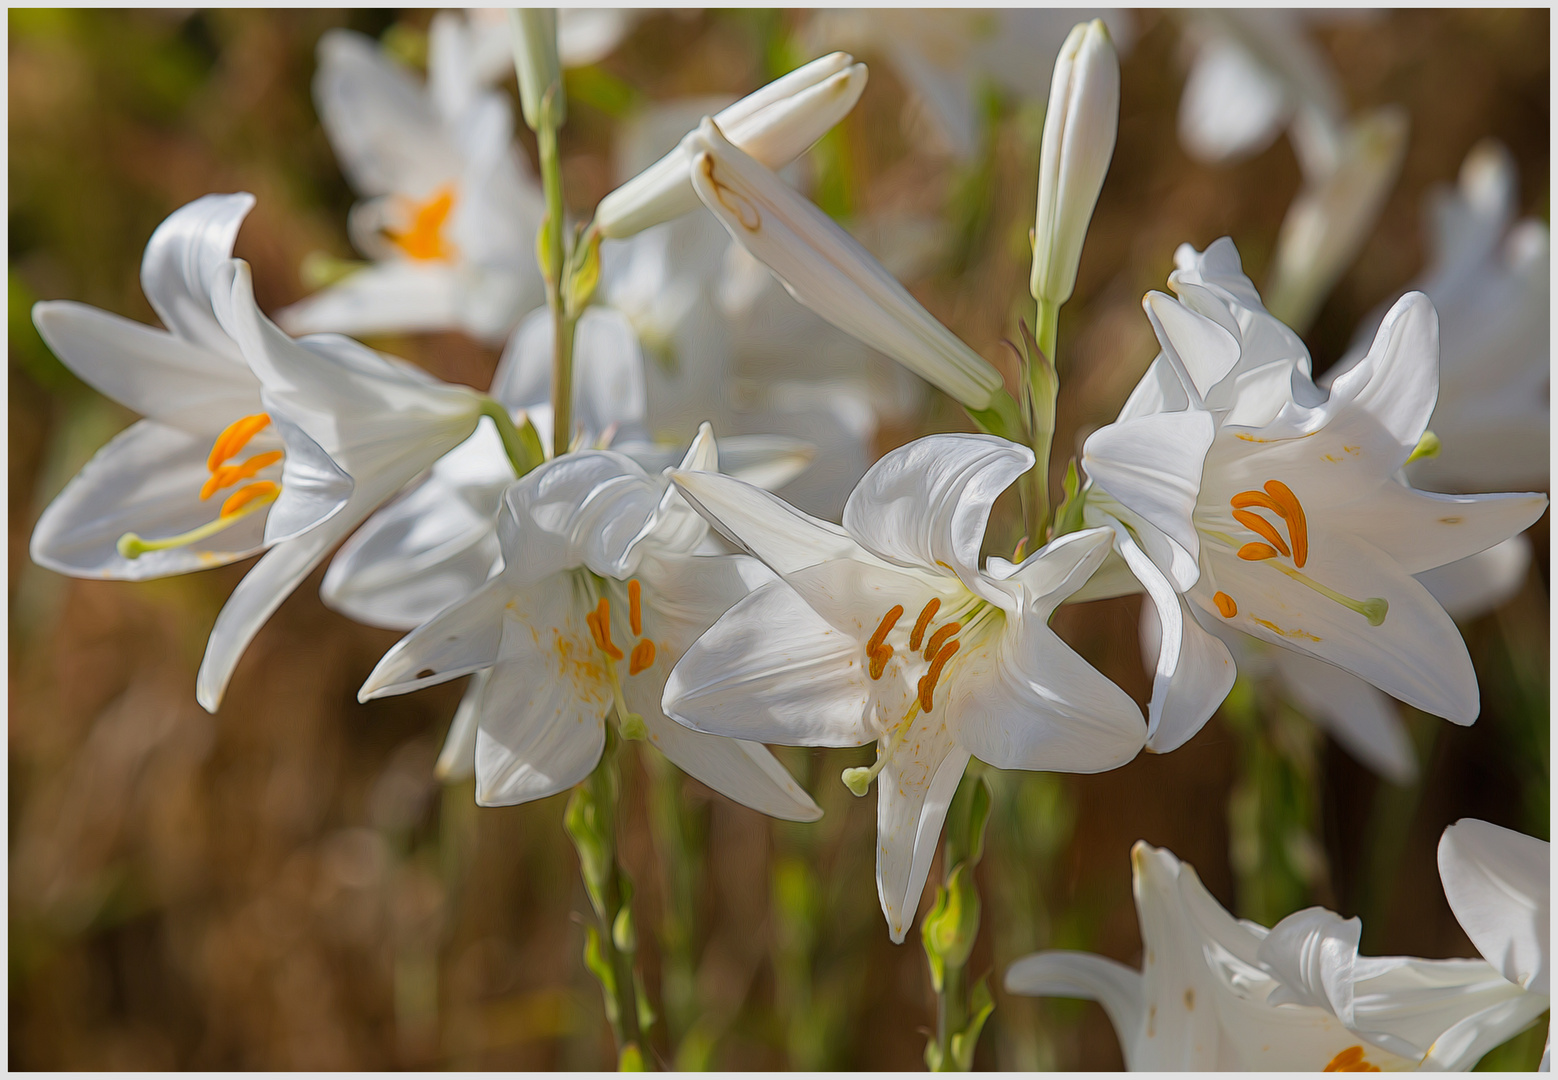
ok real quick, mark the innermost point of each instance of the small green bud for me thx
(1427, 447)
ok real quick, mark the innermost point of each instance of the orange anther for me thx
(599, 622)
(1246, 499)
(635, 610)
(1350, 1060)
(228, 475)
(425, 240)
(1293, 510)
(260, 489)
(1225, 604)
(1256, 552)
(235, 437)
(1257, 524)
(920, 624)
(879, 657)
(928, 681)
(884, 628)
(940, 636)
(643, 656)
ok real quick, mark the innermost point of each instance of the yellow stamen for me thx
(933, 647)
(132, 546)
(858, 779)
(928, 681)
(635, 611)
(920, 624)
(235, 437)
(1257, 524)
(1225, 604)
(643, 655)
(1374, 609)
(424, 240)
(1293, 510)
(1257, 552)
(884, 628)
(228, 475)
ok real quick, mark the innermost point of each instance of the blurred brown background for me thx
(285, 886)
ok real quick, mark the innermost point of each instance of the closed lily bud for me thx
(774, 125)
(828, 271)
(535, 61)
(1079, 131)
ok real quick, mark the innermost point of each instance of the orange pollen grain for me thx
(1293, 510)
(643, 656)
(235, 437)
(1256, 552)
(884, 628)
(425, 240)
(1225, 604)
(879, 657)
(933, 646)
(260, 489)
(926, 615)
(1257, 524)
(928, 681)
(228, 475)
(635, 611)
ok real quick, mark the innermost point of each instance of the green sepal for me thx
(599, 966)
(980, 1006)
(949, 929)
(1002, 418)
(583, 276)
(1427, 447)
(1068, 518)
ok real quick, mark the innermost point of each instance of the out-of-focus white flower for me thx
(1332, 216)
(949, 58)
(584, 36)
(1219, 993)
(824, 268)
(600, 593)
(216, 471)
(1245, 497)
(1079, 132)
(449, 215)
(381, 420)
(888, 631)
(775, 125)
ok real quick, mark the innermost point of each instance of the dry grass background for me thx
(284, 885)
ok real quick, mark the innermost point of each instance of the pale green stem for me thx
(1041, 424)
(555, 255)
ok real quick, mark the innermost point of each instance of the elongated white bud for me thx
(1079, 131)
(824, 268)
(535, 61)
(775, 125)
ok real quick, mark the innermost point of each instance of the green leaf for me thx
(980, 1006)
(595, 960)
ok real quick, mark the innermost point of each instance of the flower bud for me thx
(535, 60)
(775, 125)
(824, 268)
(1079, 129)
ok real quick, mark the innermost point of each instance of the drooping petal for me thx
(1355, 714)
(1060, 973)
(399, 296)
(313, 487)
(1153, 464)
(773, 670)
(1482, 582)
(457, 758)
(1497, 883)
(1415, 654)
(764, 524)
(1200, 347)
(589, 508)
(177, 268)
(914, 790)
(151, 371)
(1058, 569)
(1185, 699)
(1422, 530)
(926, 504)
(1313, 955)
(742, 771)
(461, 639)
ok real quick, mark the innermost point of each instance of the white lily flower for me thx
(1244, 497)
(1332, 216)
(1498, 884)
(950, 58)
(600, 593)
(217, 471)
(887, 631)
(450, 215)
(1219, 993)
(828, 271)
(381, 420)
(775, 125)
(1079, 132)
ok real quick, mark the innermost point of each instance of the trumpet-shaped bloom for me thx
(829, 272)
(450, 215)
(381, 420)
(775, 125)
(1275, 510)
(887, 631)
(217, 471)
(600, 593)
(1215, 992)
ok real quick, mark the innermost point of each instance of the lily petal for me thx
(913, 793)
(1422, 530)
(1060, 973)
(763, 524)
(1354, 713)
(744, 772)
(457, 759)
(1497, 883)
(608, 371)
(398, 296)
(1153, 464)
(465, 637)
(176, 270)
(1482, 582)
(586, 508)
